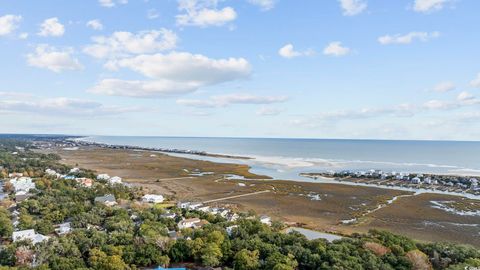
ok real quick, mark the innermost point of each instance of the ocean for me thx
(287, 158)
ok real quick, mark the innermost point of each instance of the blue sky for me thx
(376, 69)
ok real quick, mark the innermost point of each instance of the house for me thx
(194, 206)
(15, 175)
(115, 180)
(75, 170)
(183, 205)
(266, 220)
(204, 209)
(21, 196)
(232, 217)
(152, 198)
(63, 228)
(103, 176)
(168, 215)
(108, 200)
(50, 172)
(173, 235)
(189, 223)
(28, 235)
(85, 182)
(416, 180)
(22, 184)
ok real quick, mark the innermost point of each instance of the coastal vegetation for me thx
(134, 235)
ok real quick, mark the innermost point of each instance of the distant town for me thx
(448, 183)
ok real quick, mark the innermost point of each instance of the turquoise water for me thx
(285, 158)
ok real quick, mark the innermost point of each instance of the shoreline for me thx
(304, 176)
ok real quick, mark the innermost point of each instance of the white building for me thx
(63, 228)
(22, 184)
(193, 206)
(183, 205)
(115, 180)
(152, 198)
(29, 235)
(416, 180)
(75, 170)
(266, 220)
(188, 223)
(103, 176)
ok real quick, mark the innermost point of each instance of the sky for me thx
(357, 69)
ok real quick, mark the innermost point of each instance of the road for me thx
(237, 196)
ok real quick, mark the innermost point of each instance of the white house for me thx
(152, 198)
(115, 180)
(193, 206)
(103, 176)
(12, 175)
(22, 184)
(50, 172)
(74, 170)
(108, 200)
(168, 215)
(266, 220)
(205, 209)
(188, 223)
(63, 228)
(416, 180)
(183, 205)
(29, 235)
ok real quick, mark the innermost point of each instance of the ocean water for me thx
(286, 158)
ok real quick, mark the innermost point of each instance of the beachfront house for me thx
(35, 238)
(416, 180)
(108, 200)
(152, 198)
(189, 223)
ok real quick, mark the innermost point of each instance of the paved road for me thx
(237, 196)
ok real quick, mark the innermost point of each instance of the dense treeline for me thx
(133, 235)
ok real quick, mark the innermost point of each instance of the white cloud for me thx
(226, 100)
(51, 27)
(440, 105)
(172, 73)
(476, 82)
(61, 106)
(352, 7)
(8, 23)
(427, 6)
(152, 14)
(56, 60)
(269, 111)
(204, 13)
(263, 4)
(336, 49)
(407, 38)
(138, 88)
(465, 96)
(121, 44)
(443, 87)
(23, 35)
(95, 24)
(111, 3)
(288, 51)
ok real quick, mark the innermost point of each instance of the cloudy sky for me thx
(407, 69)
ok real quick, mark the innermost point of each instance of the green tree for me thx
(246, 260)
(211, 254)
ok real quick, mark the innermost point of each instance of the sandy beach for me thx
(319, 206)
